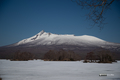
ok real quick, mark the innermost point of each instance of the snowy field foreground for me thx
(57, 70)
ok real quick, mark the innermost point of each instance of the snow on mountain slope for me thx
(44, 38)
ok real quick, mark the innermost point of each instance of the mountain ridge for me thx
(43, 41)
(44, 38)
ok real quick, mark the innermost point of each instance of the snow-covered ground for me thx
(57, 70)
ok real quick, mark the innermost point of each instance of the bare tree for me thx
(90, 56)
(22, 56)
(61, 55)
(106, 56)
(50, 55)
(97, 8)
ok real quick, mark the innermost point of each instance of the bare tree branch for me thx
(97, 8)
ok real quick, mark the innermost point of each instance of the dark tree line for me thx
(22, 56)
(103, 56)
(90, 56)
(61, 55)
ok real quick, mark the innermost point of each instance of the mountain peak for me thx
(41, 32)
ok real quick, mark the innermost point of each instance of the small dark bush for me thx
(85, 61)
(71, 59)
(0, 78)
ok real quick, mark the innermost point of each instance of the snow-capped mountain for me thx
(42, 42)
(44, 38)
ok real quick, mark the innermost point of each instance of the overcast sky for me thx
(20, 19)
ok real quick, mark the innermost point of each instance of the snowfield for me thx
(57, 70)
